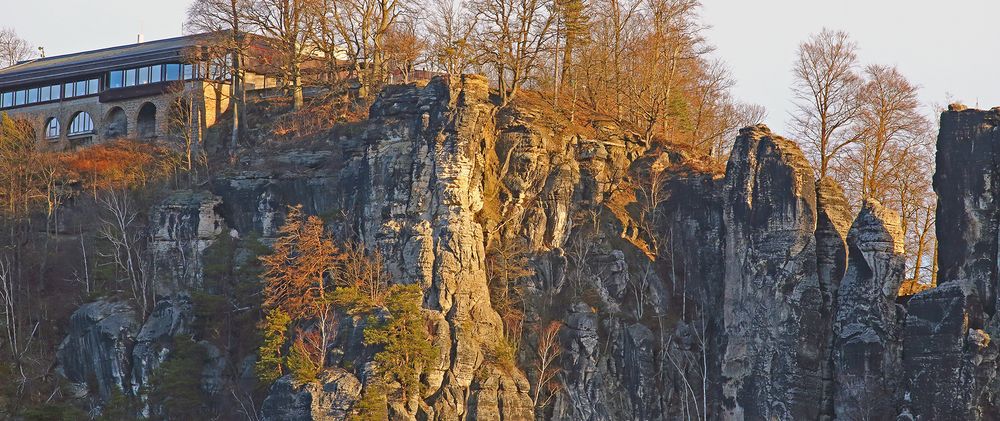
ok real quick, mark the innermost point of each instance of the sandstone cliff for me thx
(682, 291)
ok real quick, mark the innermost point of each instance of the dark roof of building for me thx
(87, 63)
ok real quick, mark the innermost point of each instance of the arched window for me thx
(81, 124)
(52, 128)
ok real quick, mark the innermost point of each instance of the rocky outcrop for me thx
(111, 343)
(181, 227)
(170, 317)
(97, 348)
(866, 345)
(833, 221)
(426, 159)
(938, 371)
(330, 398)
(950, 362)
(774, 359)
(679, 293)
(965, 181)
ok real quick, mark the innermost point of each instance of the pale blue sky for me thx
(948, 48)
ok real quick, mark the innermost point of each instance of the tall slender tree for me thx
(826, 96)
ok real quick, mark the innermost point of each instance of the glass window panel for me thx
(81, 88)
(7, 100)
(188, 72)
(32, 95)
(173, 72)
(93, 86)
(116, 79)
(52, 129)
(82, 123)
(143, 76)
(130, 77)
(55, 91)
(19, 98)
(155, 74)
(68, 90)
(43, 94)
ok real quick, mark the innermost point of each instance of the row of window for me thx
(82, 124)
(49, 93)
(82, 88)
(29, 96)
(151, 74)
(115, 79)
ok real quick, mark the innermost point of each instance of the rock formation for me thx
(680, 291)
(866, 341)
(97, 347)
(331, 399)
(832, 224)
(949, 359)
(775, 355)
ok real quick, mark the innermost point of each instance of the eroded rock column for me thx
(425, 166)
(866, 344)
(775, 355)
(832, 225)
(949, 358)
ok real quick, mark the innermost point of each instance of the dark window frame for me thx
(82, 123)
(49, 128)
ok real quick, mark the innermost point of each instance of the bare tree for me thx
(671, 46)
(363, 26)
(512, 36)
(825, 91)
(119, 226)
(891, 126)
(405, 48)
(182, 126)
(715, 117)
(546, 365)
(450, 28)
(284, 26)
(224, 18)
(14, 49)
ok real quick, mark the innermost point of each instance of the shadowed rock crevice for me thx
(866, 345)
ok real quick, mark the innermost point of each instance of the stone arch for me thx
(115, 124)
(146, 121)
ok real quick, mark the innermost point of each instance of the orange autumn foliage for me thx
(120, 164)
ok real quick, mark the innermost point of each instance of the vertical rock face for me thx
(949, 360)
(775, 354)
(832, 225)
(182, 226)
(967, 186)
(866, 343)
(97, 347)
(938, 371)
(426, 161)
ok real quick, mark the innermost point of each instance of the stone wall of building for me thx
(108, 127)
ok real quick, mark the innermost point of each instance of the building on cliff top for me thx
(129, 91)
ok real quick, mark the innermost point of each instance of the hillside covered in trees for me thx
(506, 210)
